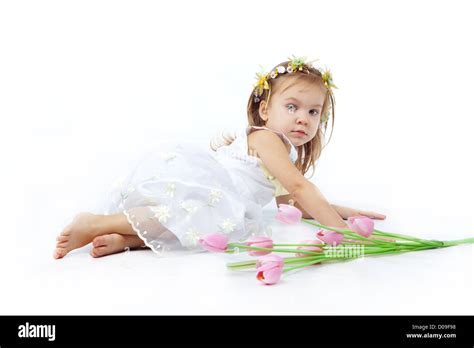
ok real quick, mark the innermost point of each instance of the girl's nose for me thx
(302, 119)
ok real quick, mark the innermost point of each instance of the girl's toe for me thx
(62, 238)
(66, 231)
(99, 241)
(59, 253)
(99, 251)
(61, 244)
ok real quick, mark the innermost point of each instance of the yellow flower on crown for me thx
(327, 79)
(262, 83)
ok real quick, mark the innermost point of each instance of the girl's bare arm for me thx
(274, 155)
(285, 199)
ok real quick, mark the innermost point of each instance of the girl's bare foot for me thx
(79, 232)
(114, 243)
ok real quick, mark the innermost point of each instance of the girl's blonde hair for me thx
(309, 152)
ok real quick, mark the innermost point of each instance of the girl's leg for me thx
(87, 226)
(115, 243)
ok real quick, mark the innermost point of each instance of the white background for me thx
(86, 86)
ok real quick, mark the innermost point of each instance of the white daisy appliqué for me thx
(214, 197)
(162, 212)
(189, 207)
(168, 156)
(125, 194)
(192, 235)
(170, 189)
(155, 177)
(150, 201)
(227, 226)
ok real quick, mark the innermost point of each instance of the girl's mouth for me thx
(299, 133)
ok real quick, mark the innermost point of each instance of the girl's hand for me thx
(346, 213)
(371, 214)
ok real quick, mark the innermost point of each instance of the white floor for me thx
(139, 282)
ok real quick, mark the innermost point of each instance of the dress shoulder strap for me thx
(293, 152)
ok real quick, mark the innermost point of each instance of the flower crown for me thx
(295, 65)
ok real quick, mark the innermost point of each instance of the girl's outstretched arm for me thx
(317, 206)
(343, 212)
(274, 156)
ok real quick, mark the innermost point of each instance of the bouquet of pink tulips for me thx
(329, 244)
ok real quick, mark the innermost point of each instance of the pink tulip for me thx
(312, 248)
(288, 214)
(259, 242)
(215, 242)
(269, 269)
(330, 237)
(362, 225)
(270, 260)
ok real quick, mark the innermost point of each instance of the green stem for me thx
(302, 259)
(252, 263)
(449, 243)
(412, 239)
(369, 250)
(242, 264)
(377, 233)
(300, 266)
(320, 245)
(395, 235)
(243, 246)
(347, 232)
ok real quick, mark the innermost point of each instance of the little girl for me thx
(180, 192)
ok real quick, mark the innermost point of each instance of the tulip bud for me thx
(362, 225)
(288, 214)
(214, 242)
(259, 242)
(312, 248)
(330, 237)
(269, 269)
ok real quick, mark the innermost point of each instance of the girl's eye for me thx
(292, 108)
(315, 112)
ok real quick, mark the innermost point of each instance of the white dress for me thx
(181, 191)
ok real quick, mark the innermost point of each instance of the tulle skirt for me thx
(176, 193)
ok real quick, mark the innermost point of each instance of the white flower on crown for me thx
(162, 212)
(227, 226)
(188, 206)
(192, 235)
(214, 197)
(170, 189)
(281, 69)
(278, 70)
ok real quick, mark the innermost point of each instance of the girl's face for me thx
(295, 111)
